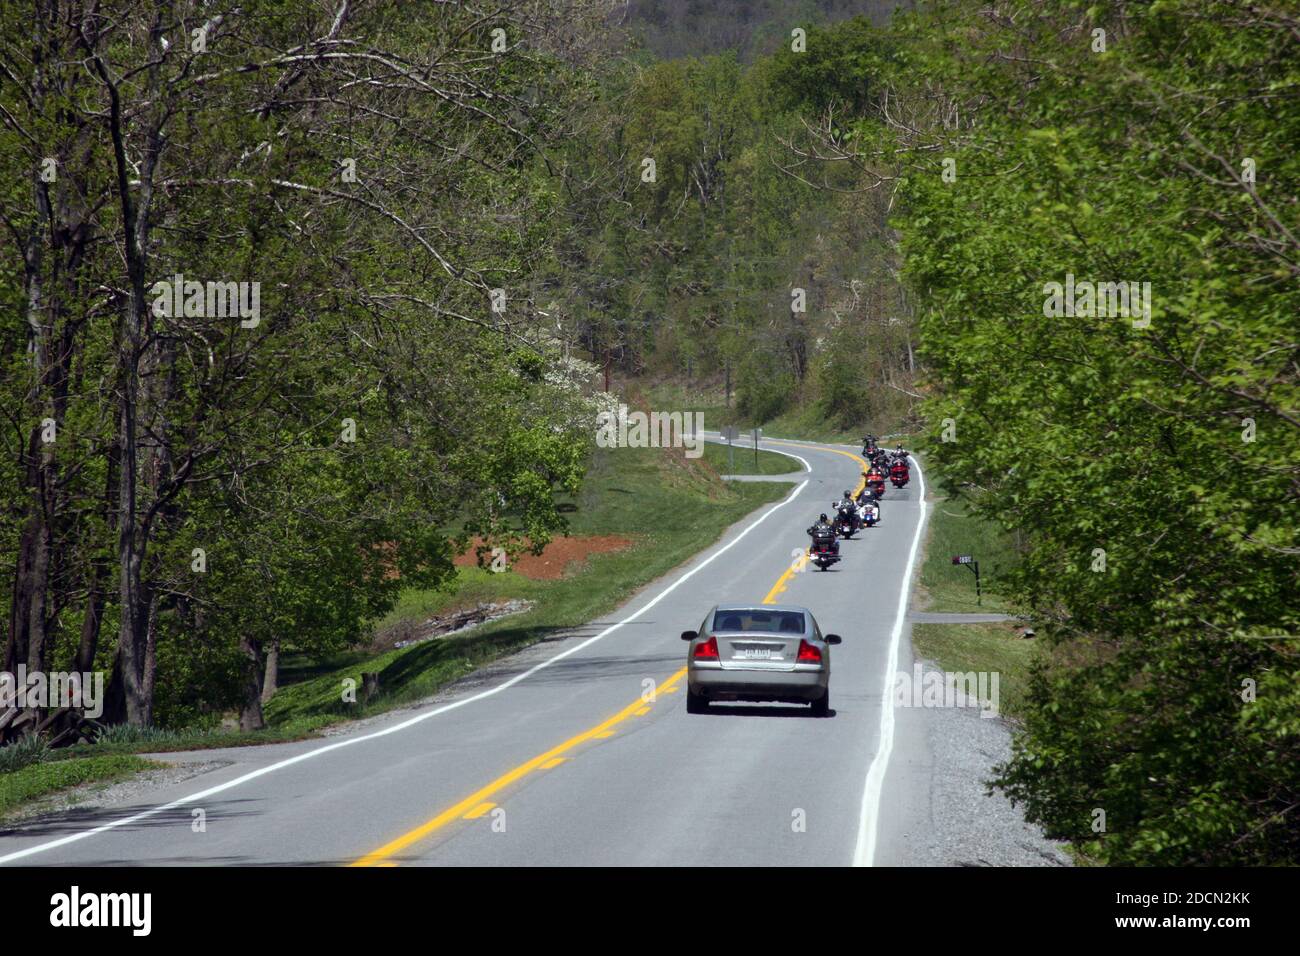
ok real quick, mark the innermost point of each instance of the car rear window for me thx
(776, 622)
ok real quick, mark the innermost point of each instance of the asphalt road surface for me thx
(580, 751)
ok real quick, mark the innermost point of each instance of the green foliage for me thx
(1093, 434)
(19, 788)
(23, 752)
(955, 527)
(669, 508)
(691, 273)
(989, 648)
(378, 414)
(763, 386)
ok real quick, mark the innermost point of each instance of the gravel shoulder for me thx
(953, 751)
(67, 805)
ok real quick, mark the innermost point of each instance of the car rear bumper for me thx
(717, 684)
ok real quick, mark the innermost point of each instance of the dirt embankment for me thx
(555, 558)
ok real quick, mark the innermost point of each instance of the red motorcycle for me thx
(899, 474)
(875, 481)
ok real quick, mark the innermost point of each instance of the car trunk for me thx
(758, 650)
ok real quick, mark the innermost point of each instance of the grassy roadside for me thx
(945, 586)
(769, 462)
(805, 423)
(948, 588)
(18, 788)
(991, 648)
(667, 507)
(670, 509)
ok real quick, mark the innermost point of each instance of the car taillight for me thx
(808, 654)
(708, 650)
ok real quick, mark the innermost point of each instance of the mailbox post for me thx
(974, 565)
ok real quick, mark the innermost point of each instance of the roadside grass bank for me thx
(134, 740)
(769, 462)
(945, 587)
(988, 648)
(800, 423)
(953, 530)
(55, 774)
(668, 507)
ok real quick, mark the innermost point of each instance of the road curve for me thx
(580, 751)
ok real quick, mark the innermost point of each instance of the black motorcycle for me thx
(846, 519)
(825, 550)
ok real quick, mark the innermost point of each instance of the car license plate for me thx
(756, 654)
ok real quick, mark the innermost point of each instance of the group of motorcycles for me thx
(854, 514)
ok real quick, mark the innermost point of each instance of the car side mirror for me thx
(690, 635)
(833, 639)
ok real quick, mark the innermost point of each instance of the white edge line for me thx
(864, 853)
(280, 765)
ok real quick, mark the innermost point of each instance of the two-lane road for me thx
(580, 751)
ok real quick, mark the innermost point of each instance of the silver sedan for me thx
(763, 652)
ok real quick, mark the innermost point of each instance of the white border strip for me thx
(280, 765)
(864, 853)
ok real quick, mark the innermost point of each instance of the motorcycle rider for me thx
(846, 506)
(823, 529)
(821, 524)
(868, 497)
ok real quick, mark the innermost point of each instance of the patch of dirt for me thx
(556, 557)
(453, 621)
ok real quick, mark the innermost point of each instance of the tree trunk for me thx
(99, 574)
(136, 601)
(17, 643)
(89, 644)
(26, 641)
(271, 682)
(250, 715)
(115, 694)
(28, 638)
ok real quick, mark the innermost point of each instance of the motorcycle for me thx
(869, 513)
(875, 481)
(824, 551)
(846, 521)
(899, 474)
